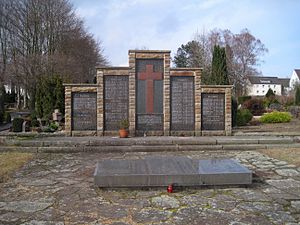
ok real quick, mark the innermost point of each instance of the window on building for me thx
(263, 85)
(274, 92)
(274, 86)
(263, 91)
(268, 85)
(257, 91)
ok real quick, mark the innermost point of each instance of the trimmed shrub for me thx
(10, 97)
(7, 117)
(53, 126)
(17, 125)
(35, 123)
(255, 105)
(244, 116)
(270, 93)
(234, 106)
(276, 117)
(242, 99)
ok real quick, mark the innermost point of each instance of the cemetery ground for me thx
(53, 188)
(58, 189)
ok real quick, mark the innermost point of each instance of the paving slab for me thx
(59, 189)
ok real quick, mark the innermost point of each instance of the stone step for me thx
(147, 142)
(142, 148)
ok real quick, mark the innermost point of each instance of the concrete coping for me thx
(149, 51)
(112, 68)
(216, 86)
(80, 85)
(186, 69)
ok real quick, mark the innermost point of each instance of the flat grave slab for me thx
(223, 172)
(163, 171)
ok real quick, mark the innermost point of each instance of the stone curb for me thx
(241, 133)
(141, 148)
(70, 142)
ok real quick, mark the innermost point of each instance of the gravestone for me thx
(149, 111)
(163, 171)
(115, 101)
(182, 103)
(213, 111)
(84, 111)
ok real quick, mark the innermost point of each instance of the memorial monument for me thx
(156, 99)
(164, 171)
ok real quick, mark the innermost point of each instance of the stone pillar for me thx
(68, 110)
(132, 84)
(228, 119)
(100, 102)
(166, 91)
(197, 102)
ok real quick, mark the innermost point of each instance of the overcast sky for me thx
(166, 24)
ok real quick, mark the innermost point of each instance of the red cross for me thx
(149, 76)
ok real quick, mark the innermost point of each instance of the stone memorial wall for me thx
(84, 113)
(156, 100)
(213, 111)
(182, 103)
(115, 101)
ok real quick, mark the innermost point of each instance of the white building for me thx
(295, 78)
(259, 86)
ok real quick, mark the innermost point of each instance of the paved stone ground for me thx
(58, 189)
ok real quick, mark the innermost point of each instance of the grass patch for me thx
(25, 138)
(10, 162)
(290, 155)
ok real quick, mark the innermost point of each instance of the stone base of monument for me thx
(164, 171)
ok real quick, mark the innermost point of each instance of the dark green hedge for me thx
(17, 125)
(244, 116)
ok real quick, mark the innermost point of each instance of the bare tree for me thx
(243, 54)
(43, 38)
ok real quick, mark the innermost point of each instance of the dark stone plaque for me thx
(116, 100)
(149, 94)
(163, 171)
(84, 111)
(182, 103)
(213, 111)
(148, 122)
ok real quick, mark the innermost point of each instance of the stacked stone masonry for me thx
(143, 99)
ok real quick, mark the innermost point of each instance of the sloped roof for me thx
(298, 72)
(263, 80)
(285, 82)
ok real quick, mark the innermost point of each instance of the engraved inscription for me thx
(116, 101)
(182, 103)
(213, 111)
(84, 111)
